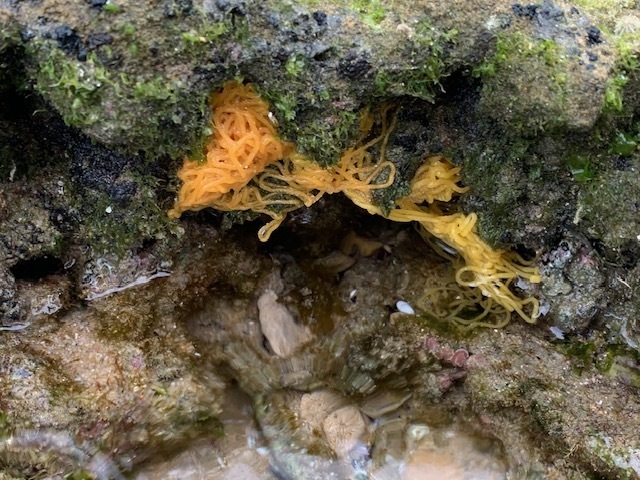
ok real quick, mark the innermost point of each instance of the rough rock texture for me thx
(565, 399)
(532, 99)
(100, 101)
(516, 386)
(120, 372)
(344, 429)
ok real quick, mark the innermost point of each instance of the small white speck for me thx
(544, 309)
(638, 238)
(559, 334)
(623, 282)
(404, 307)
(108, 209)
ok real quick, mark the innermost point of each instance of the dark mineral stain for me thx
(525, 10)
(594, 35)
(320, 17)
(96, 3)
(354, 65)
(96, 40)
(69, 41)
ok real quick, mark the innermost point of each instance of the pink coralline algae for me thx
(456, 362)
(459, 358)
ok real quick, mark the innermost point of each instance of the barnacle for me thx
(248, 168)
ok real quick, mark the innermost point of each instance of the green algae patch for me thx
(581, 167)
(621, 463)
(321, 128)
(624, 144)
(427, 51)
(610, 205)
(110, 106)
(618, 97)
(526, 83)
(502, 164)
(73, 87)
(118, 227)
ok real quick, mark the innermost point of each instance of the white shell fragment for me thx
(559, 334)
(279, 326)
(404, 307)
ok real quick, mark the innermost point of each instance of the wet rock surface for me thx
(369, 386)
(122, 331)
(546, 386)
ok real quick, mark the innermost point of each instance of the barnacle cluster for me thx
(248, 168)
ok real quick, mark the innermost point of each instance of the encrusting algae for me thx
(247, 167)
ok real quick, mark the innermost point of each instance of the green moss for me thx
(206, 33)
(514, 47)
(526, 82)
(627, 44)
(319, 129)
(581, 352)
(295, 64)
(329, 135)
(77, 86)
(115, 229)
(286, 105)
(624, 144)
(153, 89)
(627, 65)
(580, 167)
(117, 96)
(427, 51)
(111, 8)
(372, 12)
(613, 93)
(81, 92)
(128, 29)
